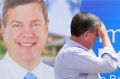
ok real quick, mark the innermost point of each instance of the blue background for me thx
(109, 12)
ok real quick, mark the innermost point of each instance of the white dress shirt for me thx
(11, 70)
(75, 61)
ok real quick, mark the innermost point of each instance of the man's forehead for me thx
(25, 8)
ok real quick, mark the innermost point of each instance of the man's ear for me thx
(2, 27)
(86, 35)
(47, 25)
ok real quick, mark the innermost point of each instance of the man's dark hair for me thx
(13, 3)
(83, 22)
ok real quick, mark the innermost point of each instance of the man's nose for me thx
(28, 32)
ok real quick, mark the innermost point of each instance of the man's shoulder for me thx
(2, 62)
(72, 50)
(3, 69)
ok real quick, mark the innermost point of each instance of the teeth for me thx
(26, 44)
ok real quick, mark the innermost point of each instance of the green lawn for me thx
(2, 48)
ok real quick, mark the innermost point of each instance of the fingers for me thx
(102, 30)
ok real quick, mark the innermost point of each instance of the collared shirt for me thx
(11, 70)
(74, 61)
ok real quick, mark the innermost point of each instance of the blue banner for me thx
(109, 12)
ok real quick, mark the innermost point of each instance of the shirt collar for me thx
(38, 71)
(72, 43)
(14, 68)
